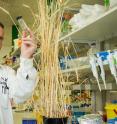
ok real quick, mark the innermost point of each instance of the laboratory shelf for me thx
(94, 87)
(76, 69)
(81, 64)
(101, 28)
(78, 64)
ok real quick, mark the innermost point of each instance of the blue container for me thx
(103, 55)
(114, 101)
(29, 121)
(115, 120)
(112, 121)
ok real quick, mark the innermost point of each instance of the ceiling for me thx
(15, 8)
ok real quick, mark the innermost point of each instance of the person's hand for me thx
(28, 46)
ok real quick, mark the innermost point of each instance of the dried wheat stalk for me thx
(48, 30)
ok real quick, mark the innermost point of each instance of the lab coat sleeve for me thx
(23, 83)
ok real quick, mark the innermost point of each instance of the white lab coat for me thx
(17, 86)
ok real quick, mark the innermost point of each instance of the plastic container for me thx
(29, 121)
(113, 3)
(103, 55)
(87, 8)
(90, 119)
(112, 121)
(111, 111)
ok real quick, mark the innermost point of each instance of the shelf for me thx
(81, 69)
(110, 86)
(76, 69)
(103, 27)
(78, 64)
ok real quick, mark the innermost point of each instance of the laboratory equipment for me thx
(112, 65)
(91, 119)
(22, 23)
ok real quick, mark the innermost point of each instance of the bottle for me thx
(23, 26)
(22, 23)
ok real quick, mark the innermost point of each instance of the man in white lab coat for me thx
(17, 86)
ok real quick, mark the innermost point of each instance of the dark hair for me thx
(1, 25)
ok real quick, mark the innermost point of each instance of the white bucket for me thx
(90, 119)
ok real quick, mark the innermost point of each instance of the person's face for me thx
(1, 36)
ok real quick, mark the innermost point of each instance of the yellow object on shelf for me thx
(111, 111)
